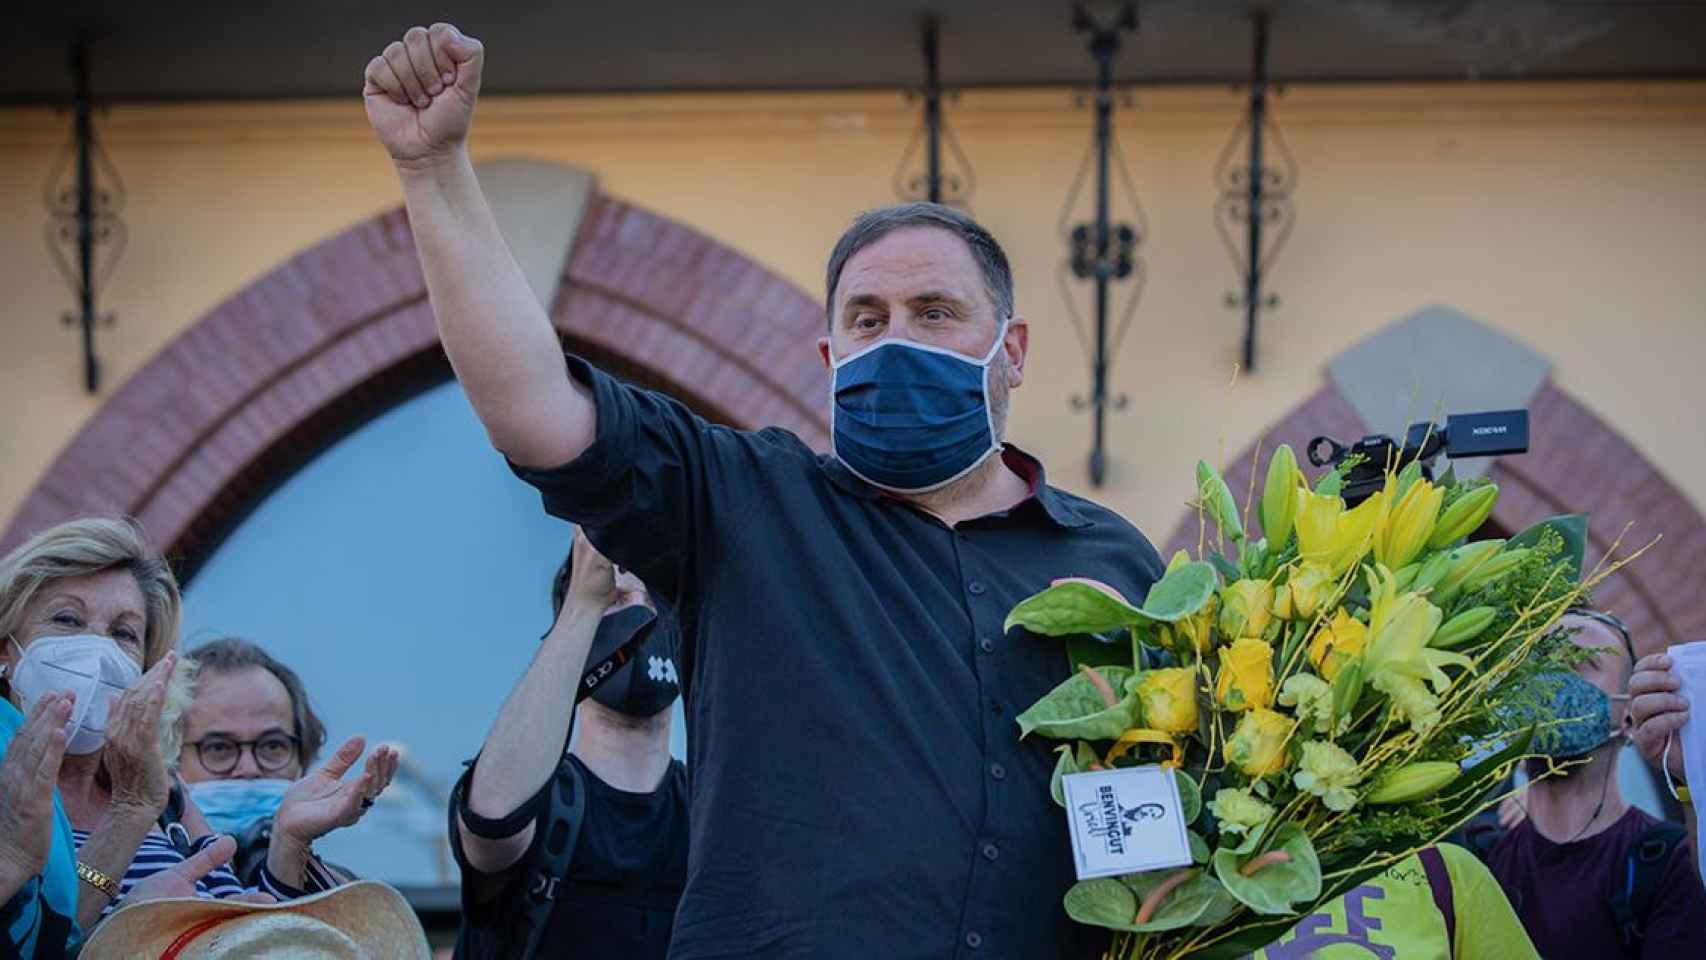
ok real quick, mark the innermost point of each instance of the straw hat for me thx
(365, 920)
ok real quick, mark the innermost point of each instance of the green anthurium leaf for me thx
(1449, 477)
(1198, 902)
(1072, 607)
(1183, 591)
(1199, 847)
(1572, 527)
(1072, 760)
(1103, 902)
(1075, 709)
(1274, 888)
(1190, 797)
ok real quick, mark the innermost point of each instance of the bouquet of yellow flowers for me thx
(1332, 697)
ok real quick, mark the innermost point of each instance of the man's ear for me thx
(823, 351)
(1017, 343)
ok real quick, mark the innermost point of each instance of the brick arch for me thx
(1577, 463)
(342, 331)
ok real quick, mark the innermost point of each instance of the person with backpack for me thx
(578, 851)
(1589, 874)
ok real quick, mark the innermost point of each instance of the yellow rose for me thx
(1246, 677)
(1246, 608)
(1257, 745)
(1303, 592)
(1168, 699)
(1336, 643)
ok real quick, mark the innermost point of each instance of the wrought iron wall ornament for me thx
(1254, 214)
(85, 236)
(1102, 251)
(944, 178)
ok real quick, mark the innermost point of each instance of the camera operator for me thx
(614, 808)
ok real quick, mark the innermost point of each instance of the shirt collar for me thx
(1054, 505)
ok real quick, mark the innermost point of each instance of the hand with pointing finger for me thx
(420, 94)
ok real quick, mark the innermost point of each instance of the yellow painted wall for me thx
(1573, 217)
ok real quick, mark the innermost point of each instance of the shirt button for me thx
(998, 771)
(986, 645)
(975, 588)
(974, 939)
(991, 851)
(995, 707)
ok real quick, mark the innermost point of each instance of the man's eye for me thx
(67, 619)
(867, 321)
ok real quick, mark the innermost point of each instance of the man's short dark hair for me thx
(873, 225)
(230, 654)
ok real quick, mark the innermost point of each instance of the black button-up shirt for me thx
(858, 787)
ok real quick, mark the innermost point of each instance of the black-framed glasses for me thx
(272, 752)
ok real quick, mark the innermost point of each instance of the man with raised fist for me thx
(859, 787)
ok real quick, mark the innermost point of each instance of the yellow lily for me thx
(1398, 661)
(1281, 497)
(1329, 534)
(1246, 678)
(1408, 522)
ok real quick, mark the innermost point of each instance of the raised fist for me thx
(420, 93)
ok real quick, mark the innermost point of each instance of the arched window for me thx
(405, 573)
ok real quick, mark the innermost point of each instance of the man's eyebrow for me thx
(935, 296)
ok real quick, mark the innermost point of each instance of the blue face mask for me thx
(1585, 711)
(910, 417)
(232, 806)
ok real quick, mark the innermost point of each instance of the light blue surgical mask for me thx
(232, 806)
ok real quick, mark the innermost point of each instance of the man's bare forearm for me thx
(526, 743)
(499, 340)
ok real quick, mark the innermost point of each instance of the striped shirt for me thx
(157, 853)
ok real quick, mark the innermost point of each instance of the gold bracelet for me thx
(98, 880)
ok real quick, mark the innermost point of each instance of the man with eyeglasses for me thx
(250, 740)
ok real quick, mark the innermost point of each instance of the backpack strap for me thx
(1632, 893)
(1439, 881)
(562, 833)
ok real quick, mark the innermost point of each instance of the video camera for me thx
(1491, 434)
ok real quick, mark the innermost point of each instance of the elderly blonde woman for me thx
(87, 607)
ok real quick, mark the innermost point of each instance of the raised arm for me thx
(526, 743)
(420, 94)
